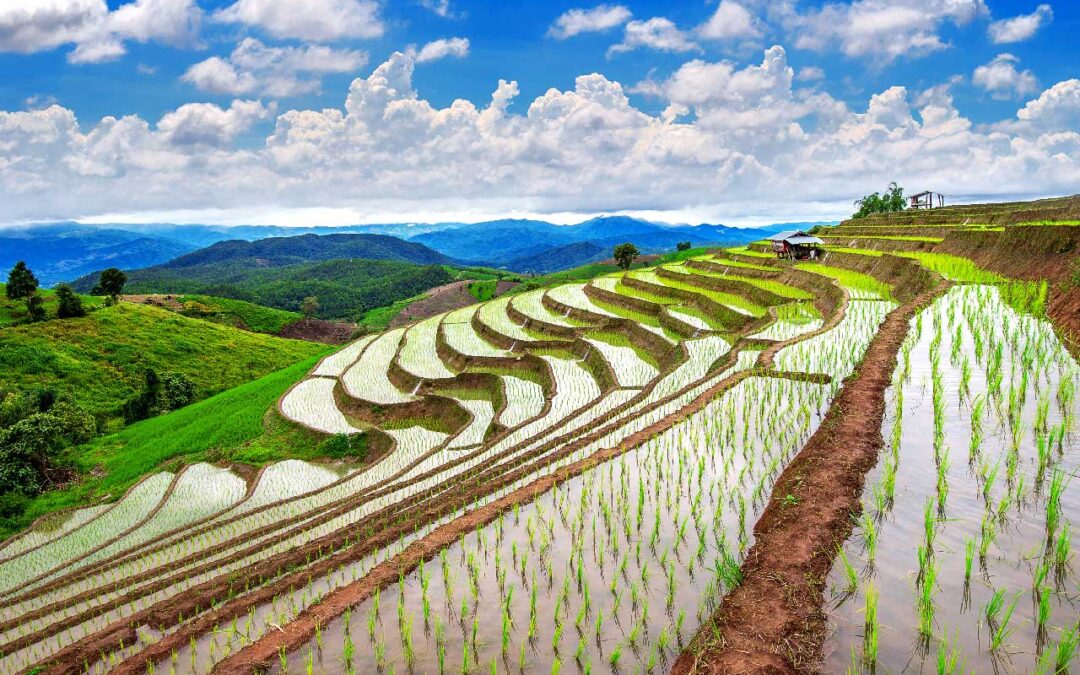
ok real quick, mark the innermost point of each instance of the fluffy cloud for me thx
(440, 7)
(1056, 109)
(1020, 28)
(882, 29)
(599, 18)
(316, 20)
(810, 74)
(733, 141)
(30, 26)
(656, 33)
(278, 72)
(440, 49)
(1002, 80)
(731, 20)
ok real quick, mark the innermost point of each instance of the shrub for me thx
(176, 391)
(69, 305)
(344, 445)
(35, 307)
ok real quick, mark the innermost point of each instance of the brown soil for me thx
(774, 622)
(157, 300)
(502, 286)
(317, 330)
(438, 300)
(1063, 309)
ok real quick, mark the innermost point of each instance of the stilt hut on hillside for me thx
(796, 245)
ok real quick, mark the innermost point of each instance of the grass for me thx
(850, 279)
(482, 290)
(743, 250)
(379, 318)
(239, 313)
(100, 359)
(233, 425)
(13, 312)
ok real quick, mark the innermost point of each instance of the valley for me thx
(712, 460)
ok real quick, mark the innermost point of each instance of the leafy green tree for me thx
(35, 306)
(145, 404)
(110, 283)
(31, 449)
(21, 282)
(682, 246)
(892, 200)
(69, 305)
(309, 307)
(176, 391)
(625, 255)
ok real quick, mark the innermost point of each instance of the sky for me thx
(334, 112)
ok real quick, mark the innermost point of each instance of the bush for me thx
(69, 305)
(176, 391)
(340, 446)
(31, 448)
(35, 307)
(21, 282)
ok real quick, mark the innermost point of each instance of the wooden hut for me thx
(796, 245)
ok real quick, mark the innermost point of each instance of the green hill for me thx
(100, 359)
(14, 311)
(345, 288)
(236, 313)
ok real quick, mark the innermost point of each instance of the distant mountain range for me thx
(67, 251)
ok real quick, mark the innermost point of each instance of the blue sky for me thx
(706, 131)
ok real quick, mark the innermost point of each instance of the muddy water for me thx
(959, 631)
(611, 571)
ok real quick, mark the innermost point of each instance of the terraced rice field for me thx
(569, 478)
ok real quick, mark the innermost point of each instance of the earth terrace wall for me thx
(855, 241)
(726, 316)
(1020, 252)
(755, 294)
(529, 323)
(906, 276)
(1058, 208)
(717, 266)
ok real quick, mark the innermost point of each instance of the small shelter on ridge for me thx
(925, 200)
(796, 245)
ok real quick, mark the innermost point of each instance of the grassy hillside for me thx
(345, 288)
(239, 313)
(14, 311)
(100, 359)
(233, 424)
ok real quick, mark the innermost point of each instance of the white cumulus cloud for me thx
(28, 26)
(1020, 28)
(657, 33)
(599, 18)
(1002, 80)
(440, 49)
(734, 141)
(730, 20)
(316, 20)
(884, 30)
(278, 72)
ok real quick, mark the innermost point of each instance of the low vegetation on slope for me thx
(345, 288)
(100, 359)
(227, 311)
(230, 426)
(13, 312)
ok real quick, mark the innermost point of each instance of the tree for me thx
(21, 282)
(892, 200)
(176, 391)
(69, 305)
(625, 255)
(35, 306)
(309, 307)
(682, 246)
(110, 283)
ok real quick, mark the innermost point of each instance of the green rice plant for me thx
(870, 627)
(925, 604)
(851, 576)
(1002, 632)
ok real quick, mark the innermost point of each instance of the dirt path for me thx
(774, 622)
